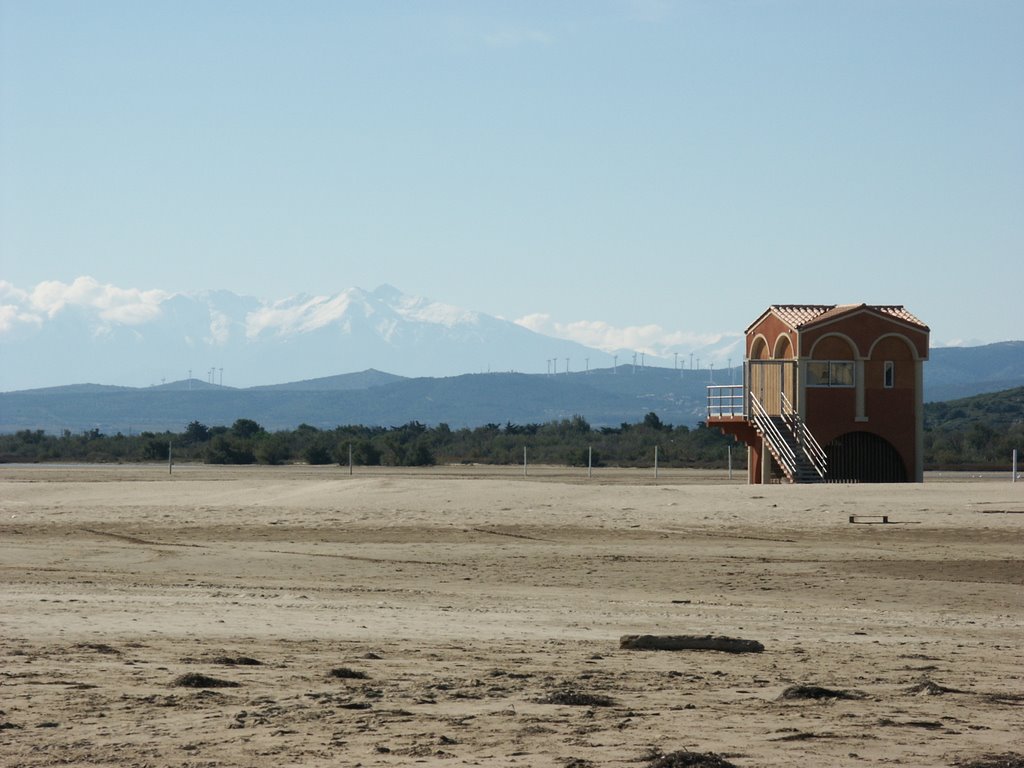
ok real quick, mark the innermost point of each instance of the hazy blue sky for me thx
(675, 165)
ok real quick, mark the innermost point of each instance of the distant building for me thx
(831, 393)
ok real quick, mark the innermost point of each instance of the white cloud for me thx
(8, 292)
(650, 339)
(14, 309)
(124, 306)
(12, 315)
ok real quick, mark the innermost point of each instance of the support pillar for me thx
(858, 368)
(918, 421)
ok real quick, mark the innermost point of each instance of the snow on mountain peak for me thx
(86, 330)
(298, 314)
(387, 305)
(423, 311)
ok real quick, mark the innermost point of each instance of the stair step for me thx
(785, 429)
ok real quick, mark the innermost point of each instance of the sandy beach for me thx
(301, 616)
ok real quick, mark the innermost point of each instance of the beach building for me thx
(830, 393)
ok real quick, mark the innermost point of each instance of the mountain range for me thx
(88, 332)
(605, 397)
(283, 362)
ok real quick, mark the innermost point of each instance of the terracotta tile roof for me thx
(900, 313)
(798, 315)
(795, 315)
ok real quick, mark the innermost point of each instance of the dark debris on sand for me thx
(1005, 760)
(224, 661)
(816, 692)
(577, 699)
(805, 736)
(931, 725)
(347, 673)
(1005, 698)
(98, 648)
(687, 759)
(196, 680)
(237, 661)
(929, 688)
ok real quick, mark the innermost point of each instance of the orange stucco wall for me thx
(863, 329)
(831, 412)
(866, 336)
(770, 328)
(887, 412)
(833, 347)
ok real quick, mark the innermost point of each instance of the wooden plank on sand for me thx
(689, 643)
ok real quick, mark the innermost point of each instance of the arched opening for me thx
(759, 349)
(834, 346)
(783, 348)
(864, 457)
(832, 363)
(891, 364)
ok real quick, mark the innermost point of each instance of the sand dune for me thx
(471, 616)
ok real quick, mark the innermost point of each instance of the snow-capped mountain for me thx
(88, 332)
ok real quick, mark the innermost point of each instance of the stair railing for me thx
(776, 441)
(805, 438)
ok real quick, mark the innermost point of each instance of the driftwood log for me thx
(689, 643)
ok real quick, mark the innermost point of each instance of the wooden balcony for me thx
(727, 403)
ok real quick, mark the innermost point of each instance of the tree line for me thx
(570, 442)
(974, 433)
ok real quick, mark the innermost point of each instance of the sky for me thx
(597, 170)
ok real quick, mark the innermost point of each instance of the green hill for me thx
(975, 432)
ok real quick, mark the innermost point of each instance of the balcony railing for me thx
(727, 401)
